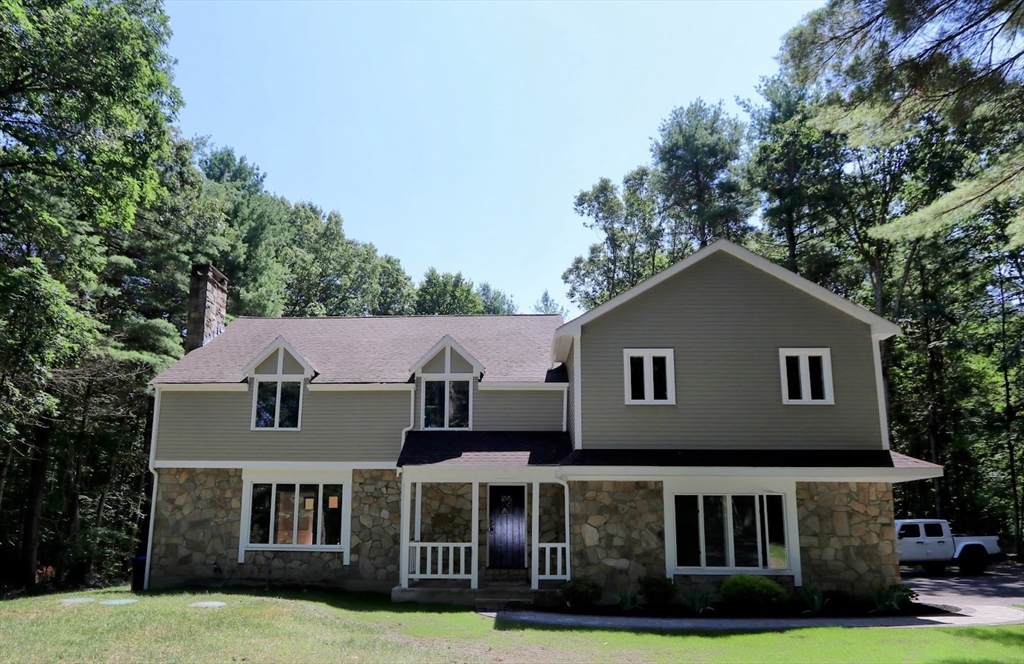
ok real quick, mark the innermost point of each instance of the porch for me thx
(508, 532)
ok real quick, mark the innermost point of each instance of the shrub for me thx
(658, 591)
(752, 593)
(895, 598)
(814, 600)
(629, 600)
(581, 593)
(698, 599)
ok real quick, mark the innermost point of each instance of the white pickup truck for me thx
(928, 543)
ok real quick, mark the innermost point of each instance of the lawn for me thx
(310, 626)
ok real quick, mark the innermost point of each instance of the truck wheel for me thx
(973, 561)
(934, 569)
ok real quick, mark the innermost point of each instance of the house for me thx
(725, 416)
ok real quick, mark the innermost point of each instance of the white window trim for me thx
(805, 376)
(447, 377)
(278, 378)
(730, 550)
(251, 477)
(670, 375)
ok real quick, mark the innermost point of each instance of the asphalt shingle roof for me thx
(375, 350)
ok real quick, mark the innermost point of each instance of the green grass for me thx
(313, 626)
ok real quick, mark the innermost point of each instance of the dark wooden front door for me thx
(506, 538)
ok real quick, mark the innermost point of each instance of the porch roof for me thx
(484, 448)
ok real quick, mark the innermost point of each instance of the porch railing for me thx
(441, 560)
(553, 558)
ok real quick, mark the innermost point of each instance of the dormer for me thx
(277, 375)
(445, 374)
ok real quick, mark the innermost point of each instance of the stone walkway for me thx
(968, 617)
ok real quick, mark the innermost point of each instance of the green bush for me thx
(698, 599)
(581, 594)
(893, 599)
(657, 591)
(745, 592)
(629, 601)
(814, 600)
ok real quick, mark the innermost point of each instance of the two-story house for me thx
(725, 416)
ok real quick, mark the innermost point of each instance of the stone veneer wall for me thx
(847, 535)
(618, 532)
(198, 519)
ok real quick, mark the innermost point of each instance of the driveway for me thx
(999, 586)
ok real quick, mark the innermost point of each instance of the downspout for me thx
(156, 479)
(412, 414)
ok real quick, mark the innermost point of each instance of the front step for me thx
(481, 599)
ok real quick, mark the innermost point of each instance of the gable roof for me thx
(375, 349)
(446, 341)
(280, 342)
(880, 327)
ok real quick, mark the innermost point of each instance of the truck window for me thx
(933, 530)
(909, 530)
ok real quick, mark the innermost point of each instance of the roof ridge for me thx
(393, 317)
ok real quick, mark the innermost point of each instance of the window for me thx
(649, 377)
(277, 392)
(296, 515)
(806, 376)
(445, 404)
(933, 530)
(909, 530)
(731, 531)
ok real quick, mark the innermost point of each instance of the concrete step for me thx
(503, 603)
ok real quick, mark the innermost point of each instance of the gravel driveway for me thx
(999, 586)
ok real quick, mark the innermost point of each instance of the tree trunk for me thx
(1009, 413)
(8, 459)
(43, 434)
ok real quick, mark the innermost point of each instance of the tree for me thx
(696, 153)
(902, 59)
(496, 301)
(548, 305)
(447, 294)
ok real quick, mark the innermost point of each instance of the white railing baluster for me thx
(559, 553)
(440, 560)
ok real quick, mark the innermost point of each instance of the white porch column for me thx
(475, 536)
(403, 557)
(568, 530)
(535, 537)
(418, 532)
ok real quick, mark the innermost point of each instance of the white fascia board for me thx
(523, 387)
(880, 327)
(280, 342)
(202, 387)
(280, 465)
(889, 475)
(361, 387)
(447, 340)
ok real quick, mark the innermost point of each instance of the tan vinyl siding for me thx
(726, 321)
(511, 410)
(269, 365)
(435, 365)
(336, 426)
(460, 364)
(507, 410)
(290, 364)
(570, 415)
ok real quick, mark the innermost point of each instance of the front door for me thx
(506, 538)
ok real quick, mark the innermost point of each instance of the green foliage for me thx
(580, 594)
(746, 592)
(814, 599)
(629, 601)
(895, 598)
(447, 295)
(496, 302)
(698, 599)
(548, 305)
(657, 591)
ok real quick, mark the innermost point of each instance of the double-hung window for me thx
(806, 376)
(731, 531)
(650, 376)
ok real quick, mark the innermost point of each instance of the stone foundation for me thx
(618, 533)
(847, 535)
(198, 520)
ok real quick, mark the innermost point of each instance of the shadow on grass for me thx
(339, 599)
(1010, 636)
(505, 625)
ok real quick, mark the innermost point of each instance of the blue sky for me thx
(457, 135)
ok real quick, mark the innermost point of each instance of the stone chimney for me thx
(207, 305)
